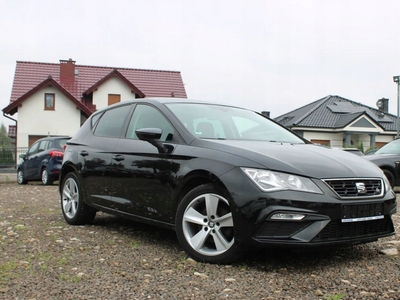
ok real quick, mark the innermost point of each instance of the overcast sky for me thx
(263, 55)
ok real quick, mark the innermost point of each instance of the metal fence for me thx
(9, 157)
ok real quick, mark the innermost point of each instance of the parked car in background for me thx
(43, 161)
(372, 151)
(388, 159)
(224, 178)
(355, 151)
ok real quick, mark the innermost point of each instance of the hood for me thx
(303, 159)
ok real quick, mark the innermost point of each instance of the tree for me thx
(6, 153)
(5, 140)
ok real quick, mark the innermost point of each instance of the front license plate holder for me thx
(362, 212)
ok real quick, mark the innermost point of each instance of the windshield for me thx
(211, 121)
(390, 148)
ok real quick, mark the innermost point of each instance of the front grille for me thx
(336, 230)
(280, 229)
(354, 188)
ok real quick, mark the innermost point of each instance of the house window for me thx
(113, 98)
(49, 101)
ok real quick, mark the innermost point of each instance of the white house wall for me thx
(33, 119)
(336, 139)
(112, 86)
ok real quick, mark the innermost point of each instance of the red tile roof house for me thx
(56, 99)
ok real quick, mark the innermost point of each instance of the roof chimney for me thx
(383, 105)
(67, 70)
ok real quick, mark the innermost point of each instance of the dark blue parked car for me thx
(43, 161)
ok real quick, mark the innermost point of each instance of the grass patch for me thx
(70, 278)
(8, 272)
(334, 297)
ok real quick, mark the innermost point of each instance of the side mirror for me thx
(152, 135)
(22, 156)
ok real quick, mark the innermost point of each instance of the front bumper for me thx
(328, 219)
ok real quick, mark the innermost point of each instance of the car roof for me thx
(155, 100)
(53, 138)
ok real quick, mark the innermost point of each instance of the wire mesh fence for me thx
(9, 157)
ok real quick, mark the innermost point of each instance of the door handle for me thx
(84, 153)
(118, 157)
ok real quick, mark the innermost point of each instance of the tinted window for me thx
(94, 119)
(111, 122)
(390, 148)
(33, 149)
(225, 122)
(43, 145)
(146, 116)
(60, 143)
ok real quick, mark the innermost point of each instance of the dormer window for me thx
(49, 101)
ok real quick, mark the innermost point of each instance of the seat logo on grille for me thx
(361, 188)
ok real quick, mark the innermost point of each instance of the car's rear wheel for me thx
(20, 177)
(45, 177)
(75, 210)
(390, 177)
(204, 225)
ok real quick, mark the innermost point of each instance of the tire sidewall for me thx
(390, 176)
(77, 219)
(20, 179)
(47, 181)
(231, 254)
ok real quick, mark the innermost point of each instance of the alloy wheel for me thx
(70, 198)
(207, 225)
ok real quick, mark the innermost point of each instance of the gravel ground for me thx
(41, 257)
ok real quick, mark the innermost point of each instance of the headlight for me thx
(274, 181)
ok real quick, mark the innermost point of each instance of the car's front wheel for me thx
(204, 225)
(20, 177)
(45, 177)
(75, 210)
(390, 177)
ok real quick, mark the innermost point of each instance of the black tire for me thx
(20, 177)
(204, 225)
(74, 209)
(45, 177)
(390, 177)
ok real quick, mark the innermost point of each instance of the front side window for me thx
(112, 121)
(49, 101)
(146, 116)
(34, 149)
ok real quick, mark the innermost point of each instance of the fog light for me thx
(288, 216)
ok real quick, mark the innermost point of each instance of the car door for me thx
(96, 154)
(39, 158)
(142, 175)
(30, 160)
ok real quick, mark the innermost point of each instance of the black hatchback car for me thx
(43, 161)
(224, 178)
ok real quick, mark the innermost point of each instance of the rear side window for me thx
(60, 143)
(44, 145)
(112, 121)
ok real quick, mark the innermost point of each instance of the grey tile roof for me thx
(332, 112)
